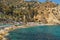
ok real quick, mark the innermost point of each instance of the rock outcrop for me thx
(49, 15)
(30, 11)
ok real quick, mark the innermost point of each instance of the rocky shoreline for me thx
(4, 31)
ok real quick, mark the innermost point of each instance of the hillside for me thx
(29, 11)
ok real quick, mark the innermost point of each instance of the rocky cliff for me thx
(30, 11)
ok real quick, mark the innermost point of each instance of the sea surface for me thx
(2, 26)
(36, 33)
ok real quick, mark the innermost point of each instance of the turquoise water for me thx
(36, 33)
(5, 25)
(2, 26)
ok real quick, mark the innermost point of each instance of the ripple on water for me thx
(36, 33)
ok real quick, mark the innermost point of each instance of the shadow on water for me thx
(36, 33)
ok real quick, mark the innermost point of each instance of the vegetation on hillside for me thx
(17, 10)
